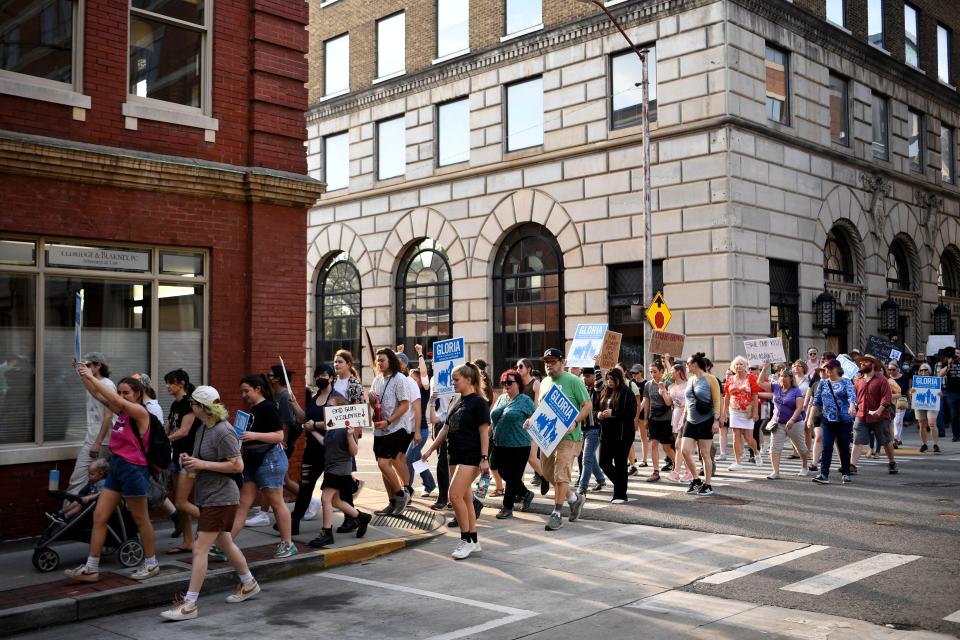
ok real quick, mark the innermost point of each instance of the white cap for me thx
(205, 395)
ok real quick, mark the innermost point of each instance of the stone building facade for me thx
(789, 152)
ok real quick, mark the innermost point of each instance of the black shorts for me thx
(699, 431)
(469, 457)
(392, 445)
(660, 430)
(343, 484)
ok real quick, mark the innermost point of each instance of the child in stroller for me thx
(97, 474)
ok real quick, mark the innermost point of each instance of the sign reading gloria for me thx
(447, 356)
(586, 344)
(551, 420)
(347, 415)
(927, 393)
(62, 255)
(764, 350)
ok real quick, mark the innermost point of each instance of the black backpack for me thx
(160, 454)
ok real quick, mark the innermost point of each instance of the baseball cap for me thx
(833, 364)
(205, 395)
(637, 368)
(553, 352)
(588, 371)
(94, 356)
(404, 360)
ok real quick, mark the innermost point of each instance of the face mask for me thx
(322, 383)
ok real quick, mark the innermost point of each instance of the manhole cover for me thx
(410, 519)
(736, 502)
(950, 515)
(886, 523)
(932, 484)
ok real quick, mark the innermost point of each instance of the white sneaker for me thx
(427, 493)
(773, 476)
(181, 610)
(259, 520)
(803, 473)
(735, 467)
(618, 501)
(312, 510)
(244, 591)
(145, 572)
(759, 460)
(722, 457)
(463, 550)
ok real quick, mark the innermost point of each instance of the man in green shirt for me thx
(558, 466)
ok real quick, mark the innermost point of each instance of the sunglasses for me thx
(508, 382)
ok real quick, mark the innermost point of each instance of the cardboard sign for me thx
(927, 392)
(935, 343)
(850, 368)
(77, 321)
(764, 350)
(242, 422)
(447, 356)
(610, 350)
(551, 420)
(883, 349)
(662, 342)
(586, 344)
(347, 415)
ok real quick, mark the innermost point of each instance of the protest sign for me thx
(927, 393)
(551, 420)
(662, 342)
(286, 379)
(77, 321)
(586, 344)
(242, 422)
(447, 356)
(347, 415)
(884, 349)
(609, 350)
(850, 368)
(936, 342)
(764, 350)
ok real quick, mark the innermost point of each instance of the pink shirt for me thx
(124, 443)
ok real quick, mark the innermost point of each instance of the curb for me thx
(158, 591)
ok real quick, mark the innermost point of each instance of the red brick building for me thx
(151, 156)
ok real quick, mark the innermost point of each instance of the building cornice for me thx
(68, 161)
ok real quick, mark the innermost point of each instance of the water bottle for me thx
(53, 480)
(483, 484)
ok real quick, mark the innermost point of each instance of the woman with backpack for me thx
(129, 476)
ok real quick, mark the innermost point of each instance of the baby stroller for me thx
(122, 535)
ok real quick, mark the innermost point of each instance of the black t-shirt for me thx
(179, 409)
(424, 401)
(953, 377)
(465, 420)
(266, 419)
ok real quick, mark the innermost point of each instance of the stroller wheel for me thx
(46, 559)
(130, 553)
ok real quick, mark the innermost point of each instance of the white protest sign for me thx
(935, 343)
(347, 415)
(850, 368)
(764, 350)
(551, 420)
(286, 380)
(586, 344)
(927, 392)
(419, 466)
(447, 356)
(77, 321)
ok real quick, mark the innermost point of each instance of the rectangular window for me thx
(336, 65)
(453, 132)
(839, 110)
(525, 114)
(625, 288)
(180, 331)
(18, 344)
(778, 85)
(336, 161)
(36, 39)
(453, 27)
(836, 12)
(626, 94)
(881, 126)
(391, 148)
(943, 53)
(948, 158)
(523, 14)
(168, 51)
(915, 142)
(911, 35)
(785, 305)
(875, 23)
(391, 45)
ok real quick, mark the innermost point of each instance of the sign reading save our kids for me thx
(586, 344)
(926, 395)
(551, 420)
(447, 356)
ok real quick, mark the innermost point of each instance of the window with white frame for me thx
(944, 40)
(525, 114)
(336, 161)
(37, 39)
(453, 132)
(169, 51)
(880, 121)
(453, 27)
(948, 157)
(836, 12)
(915, 140)
(911, 35)
(778, 85)
(336, 65)
(626, 94)
(523, 15)
(875, 23)
(391, 45)
(391, 147)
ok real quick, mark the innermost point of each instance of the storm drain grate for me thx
(410, 519)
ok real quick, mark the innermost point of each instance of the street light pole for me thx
(647, 220)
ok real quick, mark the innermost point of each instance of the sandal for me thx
(178, 549)
(496, 493)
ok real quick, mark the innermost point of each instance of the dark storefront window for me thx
(424, 297)
(338, 309)
(785, 306)
(625, 287)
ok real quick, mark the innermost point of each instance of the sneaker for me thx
(600, 486)
(527, 501)
(576, 508)
(705, 490)
(643, 465)
(82, 574)
(632, 470)
(360, 485)
(544, 486)
(463, 550)
(181, 610)
(735, 467)
(893, 469)
(387, 510)
(535, 481)
(244, 592)
(803, 473)
(56, 517)
(453, 524)
(813, 467)
(313, 509)
(674, 476)
(687, 477)
(773, 476)
(821, 479)
(216, 555)
(853, 469)
(285, 550)
(722, 457)
(257, 520)
(667, 467)
(427, 493)
(759, 459)
(145, 572)
(325, 538)
(401, 500)
(618, 501)
(654, 477)
(923, 448)
(845, 479)
(555, 522)
(694, 485)
(439, 505)
(936, 448)
(504, 514)
(348, 525)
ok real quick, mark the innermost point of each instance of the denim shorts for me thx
(271, 473)
(128, 479)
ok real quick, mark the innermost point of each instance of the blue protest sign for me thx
(551, 420)
(447, 356)
(586, 344)
(926, 394)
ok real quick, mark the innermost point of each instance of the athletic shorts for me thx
(465, 457)
(700, 430)
(862, 431)
(128, 479)
(216, 518)
(660, 430)
(392, 444)
(558, 466)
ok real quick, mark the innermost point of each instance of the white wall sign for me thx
(59, 255)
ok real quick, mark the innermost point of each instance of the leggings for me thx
(614, 452)
(511, 463)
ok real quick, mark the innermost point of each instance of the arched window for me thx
(948, 273)
(837, 258)
(527, 296)
(423, 296)
(338, 308)
(898, 266)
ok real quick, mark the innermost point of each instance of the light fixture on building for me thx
(825, 312)
(890, 317)
(942, 325)
(636, 310)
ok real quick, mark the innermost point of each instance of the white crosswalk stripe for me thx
(761, 565)
(841, 576)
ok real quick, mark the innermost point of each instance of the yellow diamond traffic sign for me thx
(659, 313)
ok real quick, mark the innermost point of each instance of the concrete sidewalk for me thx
(30, 599)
